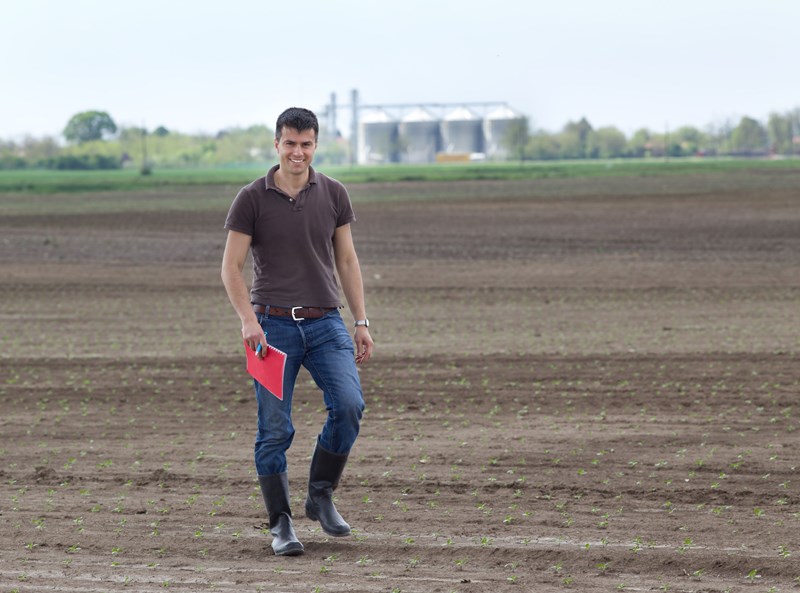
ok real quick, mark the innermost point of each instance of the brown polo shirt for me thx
(292, 239)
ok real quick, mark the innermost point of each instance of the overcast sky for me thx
(204, 65)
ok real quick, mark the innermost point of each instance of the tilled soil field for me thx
(578, 385)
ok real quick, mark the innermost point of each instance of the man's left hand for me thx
(364, 344)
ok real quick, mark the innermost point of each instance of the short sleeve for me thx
(241, 216)
(346, 215)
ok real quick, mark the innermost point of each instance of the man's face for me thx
(296, 150)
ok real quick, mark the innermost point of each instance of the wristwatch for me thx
(360, 322)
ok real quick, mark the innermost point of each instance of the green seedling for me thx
(685, 546)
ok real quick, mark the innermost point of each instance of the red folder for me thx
(268, 370)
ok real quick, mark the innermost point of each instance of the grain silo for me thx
(462, 132)
(378, 141)
(420, 137)
(495, 130)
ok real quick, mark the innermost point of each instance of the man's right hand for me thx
(254, 335)
(237, 246)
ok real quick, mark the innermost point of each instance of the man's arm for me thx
(236, 248)
(353, 286)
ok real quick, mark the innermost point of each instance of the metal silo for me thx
(462, 132)
(420, 137)
(377, 138)
(495, 129)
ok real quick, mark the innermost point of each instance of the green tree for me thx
(640, 144)
(89, 125)
(574, 139)
(543, 146)
(720, 136)
(516, 138)
(29, 152)
(606, 143)
(794, 119)
(781, 132)
(689, 139)
(749, 137)
(331, 152)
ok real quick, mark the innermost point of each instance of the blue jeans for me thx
(325, 348)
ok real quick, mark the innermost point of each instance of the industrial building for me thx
(426, 132)
(421, 136)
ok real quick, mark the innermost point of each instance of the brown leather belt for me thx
(296, 313)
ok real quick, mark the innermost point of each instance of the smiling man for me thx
(296, 223)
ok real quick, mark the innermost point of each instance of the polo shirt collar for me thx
(270, 180)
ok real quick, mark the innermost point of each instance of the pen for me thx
(258, 349)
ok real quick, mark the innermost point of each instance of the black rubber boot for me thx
(323, 478)
(275, 489)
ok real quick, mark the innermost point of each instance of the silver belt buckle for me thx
(294, 316)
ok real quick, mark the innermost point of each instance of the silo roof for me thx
(461, 114)
(419, 115)
(376, 117)
(504, 112)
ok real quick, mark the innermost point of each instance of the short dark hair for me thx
(299, 119)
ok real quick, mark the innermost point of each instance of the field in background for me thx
(580, 384)
(47, 181)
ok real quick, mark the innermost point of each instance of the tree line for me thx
(748, 137)
(92, 140)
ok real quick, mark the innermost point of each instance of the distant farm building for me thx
(422, 137)
(425, 132)
(495, 130)
(378, 138)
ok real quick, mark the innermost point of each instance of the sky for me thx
(202, 66)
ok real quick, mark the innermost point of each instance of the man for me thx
(296, 222)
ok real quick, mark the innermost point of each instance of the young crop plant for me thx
(753, 575)
(364, 561)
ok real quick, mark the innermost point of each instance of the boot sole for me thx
(294, 551)
(314, 517)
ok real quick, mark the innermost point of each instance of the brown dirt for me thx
(578, 386)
